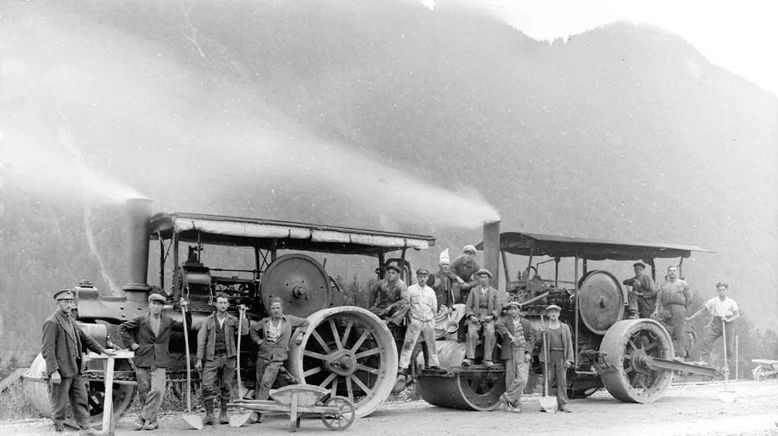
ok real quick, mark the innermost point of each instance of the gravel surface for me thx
(693, 409)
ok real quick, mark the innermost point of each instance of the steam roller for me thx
(461, 388)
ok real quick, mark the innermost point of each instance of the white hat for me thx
(444, 256)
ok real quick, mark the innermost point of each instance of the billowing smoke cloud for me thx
(186, 132)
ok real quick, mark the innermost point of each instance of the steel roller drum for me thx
(600, 301)
(300, 281)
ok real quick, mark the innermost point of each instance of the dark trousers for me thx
(221, 368)
(267, 371)
(74, 390)
(714, 333)
(646, 307)
(677, 323)
(557, 376)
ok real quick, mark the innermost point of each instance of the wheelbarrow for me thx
(765, 369)
(336, 412)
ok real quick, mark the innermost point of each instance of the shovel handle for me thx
(545, 356)
(188, 364)
(241, 314)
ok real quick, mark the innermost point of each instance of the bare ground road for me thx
(694, 409)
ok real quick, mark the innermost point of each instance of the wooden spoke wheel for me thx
(345, 416)
(349, 351)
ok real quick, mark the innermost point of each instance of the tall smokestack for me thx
(492, 250)
(138, 215)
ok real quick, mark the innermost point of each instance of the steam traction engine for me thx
(346, 349)
(632, 358)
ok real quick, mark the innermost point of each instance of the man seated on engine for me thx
(483, 309)
(463, 268)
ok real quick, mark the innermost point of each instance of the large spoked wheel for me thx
(627, 345)
(37, 391)
(349, 351)
(345, 416)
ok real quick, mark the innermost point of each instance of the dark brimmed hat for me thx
(393, 268)
(469, 249)
(513, 304)
(483, 271)
(422, 271)
(64, 294)
(157, 297)
(553, 307)
(639, 264)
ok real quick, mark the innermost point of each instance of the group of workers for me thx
(670, 304)
(148, 336)
(465, 282)
(409, 308)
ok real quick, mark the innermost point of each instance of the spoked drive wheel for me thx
(627, 346)
(345, 416)
(350, 352)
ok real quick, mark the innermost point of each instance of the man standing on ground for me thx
(149, 338)
(423, 305)
(559, 343)
(642, 297)
(463, 268)
(483, 309)
(724, 311)
(518, 340)
(673, 300)
(61, 348)
(272, 334)
(216, 356)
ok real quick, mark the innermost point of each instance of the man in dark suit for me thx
(62, 345)
(272, 335)
(149, 337)
(483, 309)
(518, 340)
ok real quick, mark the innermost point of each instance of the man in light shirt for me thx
(421, 314)
(724, 310)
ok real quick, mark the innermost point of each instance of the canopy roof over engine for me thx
(536, 244)
(283, 235)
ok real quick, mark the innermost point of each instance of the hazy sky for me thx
(740, 36)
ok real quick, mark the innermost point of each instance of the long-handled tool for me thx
(238, 419)
(548, 403)
(194, 421)
(726, 396)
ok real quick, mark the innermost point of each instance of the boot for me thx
(209, 418)
(223, 418)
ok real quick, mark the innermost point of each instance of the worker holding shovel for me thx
(724, 311)
(216, 357)
(557, 340)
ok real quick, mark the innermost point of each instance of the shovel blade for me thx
(727, 396)
(194, 421)
(239, 419)
(548, 404)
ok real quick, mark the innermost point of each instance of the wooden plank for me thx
(12, 378)
(108, 421)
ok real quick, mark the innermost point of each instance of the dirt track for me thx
(684, 410)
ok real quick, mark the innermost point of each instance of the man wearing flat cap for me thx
(483, 309)
(386, 301)
(724, 311)
(62, 346)
(149, 337)
(558, 341)
(518, 341)
(421, 321)
(463, 268)
(642, 298)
